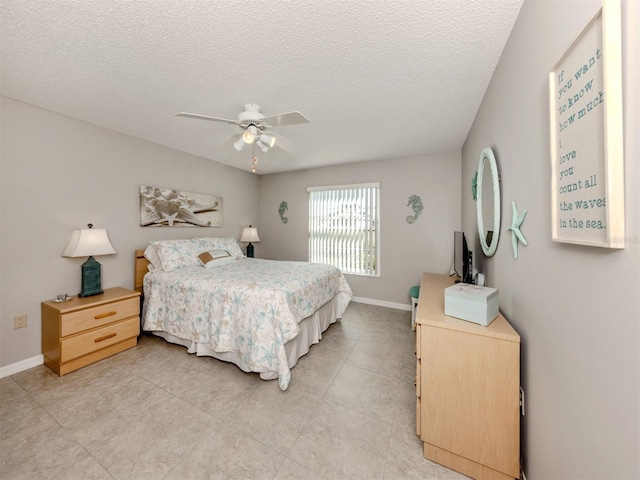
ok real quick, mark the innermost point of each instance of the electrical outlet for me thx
(20, 321)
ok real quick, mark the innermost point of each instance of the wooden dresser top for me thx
(431, 311)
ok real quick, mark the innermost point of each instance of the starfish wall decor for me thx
(516, 234)
(164, 207)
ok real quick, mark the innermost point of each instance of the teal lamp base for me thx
(91, 283)
(250, 250)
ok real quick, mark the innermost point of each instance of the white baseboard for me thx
(21, 365)
(382, 303)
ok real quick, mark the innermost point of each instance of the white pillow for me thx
(151, 255)
(229, 244)
(216, 258)
(176, 254)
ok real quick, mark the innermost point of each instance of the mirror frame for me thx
(487, 157)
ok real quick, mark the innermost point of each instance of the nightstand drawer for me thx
(99, 315)
(97, 339)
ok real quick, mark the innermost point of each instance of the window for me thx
(344, 227)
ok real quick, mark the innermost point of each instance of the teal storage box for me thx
(472, 303)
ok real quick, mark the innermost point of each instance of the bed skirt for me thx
(311, 329)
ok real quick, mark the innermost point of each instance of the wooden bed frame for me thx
(140, 270)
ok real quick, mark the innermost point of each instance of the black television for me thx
(462, 258)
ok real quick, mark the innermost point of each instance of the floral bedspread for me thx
(251, 307)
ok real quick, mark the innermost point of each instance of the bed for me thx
(261, 315)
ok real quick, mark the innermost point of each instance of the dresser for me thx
(81, 331)
(467, 388)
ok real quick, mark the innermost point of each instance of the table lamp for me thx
(89, 242)
(250, 234)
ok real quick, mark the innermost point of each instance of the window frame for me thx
(375, 207)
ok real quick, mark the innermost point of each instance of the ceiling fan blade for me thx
(227, 144)
(206, 117)
(281, 119)
(288, 145)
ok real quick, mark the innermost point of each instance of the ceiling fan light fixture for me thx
(247, 137)
(239, 144)
(250, 134)
(268, 140)
(252, 124)
(262, 146)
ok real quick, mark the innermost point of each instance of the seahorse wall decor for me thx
(283, 208)
(416, 205)
(474, 186)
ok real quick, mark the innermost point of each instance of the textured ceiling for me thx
(377, 79)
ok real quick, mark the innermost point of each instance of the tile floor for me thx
(156, 412)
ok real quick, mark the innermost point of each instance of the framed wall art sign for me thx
(587, 164)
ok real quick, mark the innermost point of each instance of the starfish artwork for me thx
(163, 207)
(516, 234)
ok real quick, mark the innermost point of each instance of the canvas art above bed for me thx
(164, 207)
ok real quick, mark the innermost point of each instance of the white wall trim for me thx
(18, 367)
(382, 303)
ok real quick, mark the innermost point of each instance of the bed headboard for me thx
(140, 270)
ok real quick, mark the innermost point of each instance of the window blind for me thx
(344, 227)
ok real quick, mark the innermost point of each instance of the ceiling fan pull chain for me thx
(255, 159)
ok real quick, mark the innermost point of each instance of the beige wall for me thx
(58, 174)
(407, 250)
(577, 308)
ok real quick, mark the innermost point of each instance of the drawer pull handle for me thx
(103, 315)
(106, 337)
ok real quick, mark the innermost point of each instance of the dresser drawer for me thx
(85, 343)
(99, 315)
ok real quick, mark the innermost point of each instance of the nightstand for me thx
(82, 331)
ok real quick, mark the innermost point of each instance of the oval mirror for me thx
(488, 202)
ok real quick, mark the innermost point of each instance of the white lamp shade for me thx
(247, 137)
(268, 140)
(87, 242)
(250, 133)
(250, 234)
(238, 144)
(262, 146)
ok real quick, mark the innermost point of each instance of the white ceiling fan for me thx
(254, 128)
